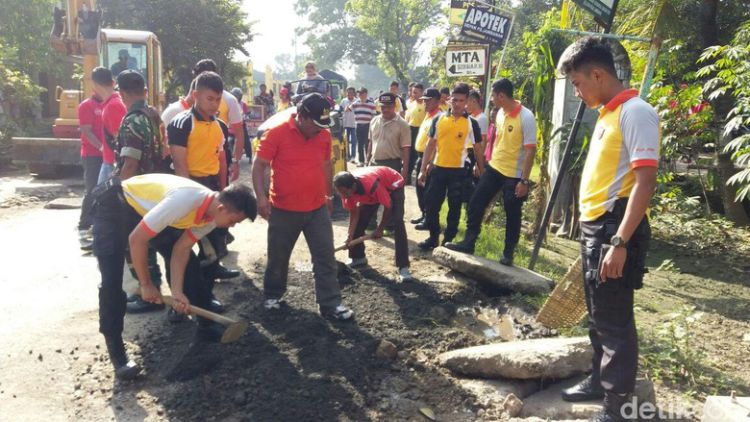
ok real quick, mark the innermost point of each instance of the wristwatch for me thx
(618, 242)
(524, 182)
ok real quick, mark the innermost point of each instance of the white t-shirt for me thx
(235, 109)
(348, 114)
(484, 122)
(172, 111)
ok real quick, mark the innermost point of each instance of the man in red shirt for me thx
(298, 153)
(362, 192)
(113, 112)
(92, 144)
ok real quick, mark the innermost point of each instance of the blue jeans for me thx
(105, 171)
(351, 136)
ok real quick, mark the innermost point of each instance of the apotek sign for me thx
(486, 26)
(465, 60)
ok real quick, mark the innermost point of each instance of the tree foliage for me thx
(729, 70)
(188, 31)
(383, 32)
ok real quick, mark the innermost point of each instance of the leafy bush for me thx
(19, 99)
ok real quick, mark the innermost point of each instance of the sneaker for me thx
(273, 304)
(421, 227)
(404, 275)
(508, 261)
(339, 313)
(356, 262)
(417, 220)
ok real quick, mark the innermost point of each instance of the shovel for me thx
(234, 329)
(354, 242)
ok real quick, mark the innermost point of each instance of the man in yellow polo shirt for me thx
(196, 140)
(169, 213)
(415, 112)
(450, 136)
(508, 171)
(431, 101)
(618, 180)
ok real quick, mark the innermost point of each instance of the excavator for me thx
(77, 33)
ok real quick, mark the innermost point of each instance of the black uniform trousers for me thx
(421, 189)
(492, 182)
(114, 220)
(413, 152)
(217, 237)
(444, 181)
(610, 304)
(363, 140)
(366, 214)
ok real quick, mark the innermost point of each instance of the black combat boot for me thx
(585, 390)
(125, 369)
(613, 408)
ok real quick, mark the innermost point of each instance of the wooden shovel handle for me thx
(221, 319)
(354, 242)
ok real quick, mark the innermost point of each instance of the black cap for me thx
(431, 93)
(130, 80)
(317, 108)
(387, 98)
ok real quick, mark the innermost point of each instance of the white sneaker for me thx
(272, 304)
(356, 262)
(405, 275)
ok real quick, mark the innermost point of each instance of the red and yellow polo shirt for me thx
(424, 130)
(626, 136)
(516, 134)
(167, 200)
(377, 184)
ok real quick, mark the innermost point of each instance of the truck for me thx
(77, 33)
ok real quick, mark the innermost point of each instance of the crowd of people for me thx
(162, 183)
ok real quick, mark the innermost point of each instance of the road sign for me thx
(458, 11)
(486, 26)
(465, 60)
(603, 10)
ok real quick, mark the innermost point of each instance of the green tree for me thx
(188, 31)
(382, 32)
(730, 71)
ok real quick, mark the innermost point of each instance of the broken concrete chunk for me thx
(492, 393)
(493, 273)
(554, 358)
(512, 405)
(386, 350)
(64, 204)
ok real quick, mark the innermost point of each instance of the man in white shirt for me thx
(350, 124)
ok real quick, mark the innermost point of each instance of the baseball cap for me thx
(318, 109)
(387, 98)
(430, 93)
(130, 81)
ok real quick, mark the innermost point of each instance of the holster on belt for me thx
(596, 236)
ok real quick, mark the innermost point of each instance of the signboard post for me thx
(486, 26)
(465, 60)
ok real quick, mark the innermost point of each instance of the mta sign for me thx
(465, 60)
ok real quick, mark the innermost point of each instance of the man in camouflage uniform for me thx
(140, 150)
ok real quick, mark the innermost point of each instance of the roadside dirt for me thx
(291, 365)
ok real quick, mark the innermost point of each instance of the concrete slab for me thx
(549, 358)
(726, 409)
(64, 203)
(483, 270)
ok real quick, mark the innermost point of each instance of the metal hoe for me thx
(234, 329)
